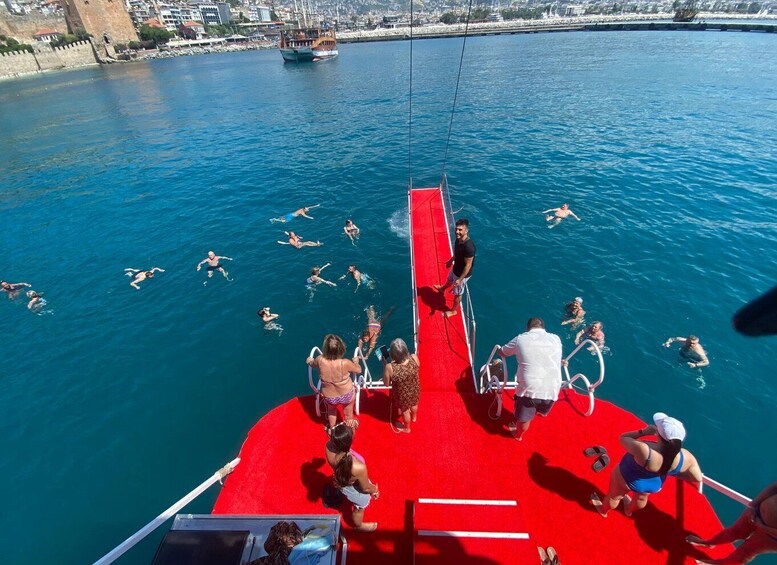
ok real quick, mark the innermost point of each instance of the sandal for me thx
(353, 424)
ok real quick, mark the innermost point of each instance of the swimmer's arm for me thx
(271, 317)
(133, 283)
(550, 210)
(157, 269)
(199, 265)
(703, 363)
(325, 266)
(671, 340)
(221, 257)
(571, 213)
(303, 214)
(283, 242)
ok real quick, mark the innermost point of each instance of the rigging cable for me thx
(410, 109)
(456, 93)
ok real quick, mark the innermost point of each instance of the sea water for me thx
(119, 401)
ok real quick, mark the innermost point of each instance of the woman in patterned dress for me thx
(402, 376)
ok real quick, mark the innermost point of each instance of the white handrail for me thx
(723, 489)
(598, 354)
(164, 516)
(315, 387)
(412, 266)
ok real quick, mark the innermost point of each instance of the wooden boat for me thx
(308, 44)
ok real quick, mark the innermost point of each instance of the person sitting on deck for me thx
(574, 312)
(351, 475)
(691, 350)
(646, 464)
(401, 374)
(337, 388)
(538, 376)
(593, 332)
(757, 526)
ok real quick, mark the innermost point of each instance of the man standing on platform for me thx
(463, 260)
(538, 376)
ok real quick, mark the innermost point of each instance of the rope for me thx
(410, 109)
(456, 94)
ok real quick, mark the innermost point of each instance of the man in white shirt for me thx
(539, 373)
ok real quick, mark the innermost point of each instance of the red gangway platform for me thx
(459, 488)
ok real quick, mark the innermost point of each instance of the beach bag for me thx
(333, 498)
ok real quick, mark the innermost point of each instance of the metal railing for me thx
(363, 380)
(414, 286)
(723, 489)
(489, 382)
(135, 538)
(467, 311)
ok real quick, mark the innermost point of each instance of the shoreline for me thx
(663, 22)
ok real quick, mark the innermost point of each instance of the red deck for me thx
(456, 452)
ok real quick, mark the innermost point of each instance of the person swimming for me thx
(369, 337)
(351, 230)
(690, 350)
(291, 215)
(314, 278)
(36, 301)
(139, 275)
(558, 215)
(593, 332)
(574, 312)
(359, 277)
(269, 320)
(12, 289)
(214, 264)
(296, 241)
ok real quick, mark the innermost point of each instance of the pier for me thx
(544, 26)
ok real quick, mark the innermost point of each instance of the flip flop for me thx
(601, 462)
(594, 450)
(543, 556)
(552, 556)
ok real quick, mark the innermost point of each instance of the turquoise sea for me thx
(115, 402)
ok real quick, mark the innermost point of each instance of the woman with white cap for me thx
(646, 464)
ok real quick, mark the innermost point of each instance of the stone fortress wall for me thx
(23, 27)
(101, 17)
(46, 58)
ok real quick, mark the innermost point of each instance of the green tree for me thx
(449, 18)
(156, 34)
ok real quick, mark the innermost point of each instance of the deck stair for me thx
(485, 531)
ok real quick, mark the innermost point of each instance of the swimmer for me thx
(351, 230)
(36, 301)
(691, 350)
(315, 279)
(266, 315)
(574, 312)
(139, 275)
(558, 215)
(593, 332)
(12, 289)
(359, 277)
(369, 336)
(291, 215)
(296, 241)
(268, 319)
(213, 264)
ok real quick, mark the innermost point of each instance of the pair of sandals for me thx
(602, 459)
(548, 557)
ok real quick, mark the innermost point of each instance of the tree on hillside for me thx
(156, 34)
(449, 18)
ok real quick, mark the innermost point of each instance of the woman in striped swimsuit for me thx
(337, 388)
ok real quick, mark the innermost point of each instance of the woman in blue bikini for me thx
(646, 464)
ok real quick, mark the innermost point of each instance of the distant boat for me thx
(686, 12)
(310, 44)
